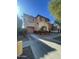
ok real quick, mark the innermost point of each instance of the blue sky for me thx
(34, 7)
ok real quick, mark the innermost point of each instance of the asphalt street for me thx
(42, 49)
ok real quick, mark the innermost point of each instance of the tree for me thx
(19, 26)
(55, 9)
(19, 23)
(56, 22)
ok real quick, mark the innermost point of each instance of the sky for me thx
(34, 8)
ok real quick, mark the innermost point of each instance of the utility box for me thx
(19, 48)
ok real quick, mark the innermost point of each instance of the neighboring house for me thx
(57, 28)
(36, 23)
(28, 22)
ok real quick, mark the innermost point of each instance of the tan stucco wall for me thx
(41, 24)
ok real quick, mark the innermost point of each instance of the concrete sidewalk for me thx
(51, 38)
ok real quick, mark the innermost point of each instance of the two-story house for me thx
(36, 23)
